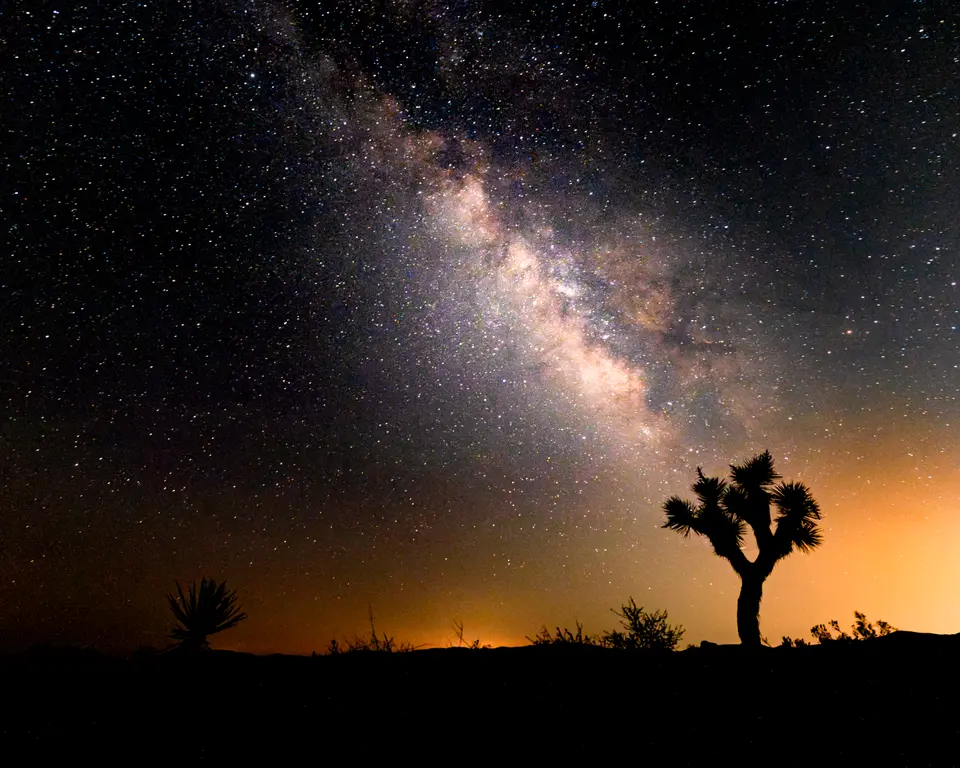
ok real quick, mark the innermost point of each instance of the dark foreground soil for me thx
(889, 701)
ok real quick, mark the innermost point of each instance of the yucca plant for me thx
(723, 514)
(202, 613)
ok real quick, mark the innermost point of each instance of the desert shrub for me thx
(860, 630)
(639, 630)
(474, 645)
(642, 630)
(563, 637)
(378, 643)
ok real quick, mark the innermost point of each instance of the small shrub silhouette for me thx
(476, 645)
(563, 637)
(373, 644)
(640, 630)
(860, 630)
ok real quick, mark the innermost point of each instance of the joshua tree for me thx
(725, 511)
(205, 612)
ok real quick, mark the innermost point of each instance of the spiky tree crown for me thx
(724, 511)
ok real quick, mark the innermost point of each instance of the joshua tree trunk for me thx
(748, 609)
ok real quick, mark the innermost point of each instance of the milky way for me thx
(430, 306)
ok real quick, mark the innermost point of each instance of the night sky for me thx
(427, 307)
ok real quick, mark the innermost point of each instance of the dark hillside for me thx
(891, 699)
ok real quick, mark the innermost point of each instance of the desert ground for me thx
(891, 700)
